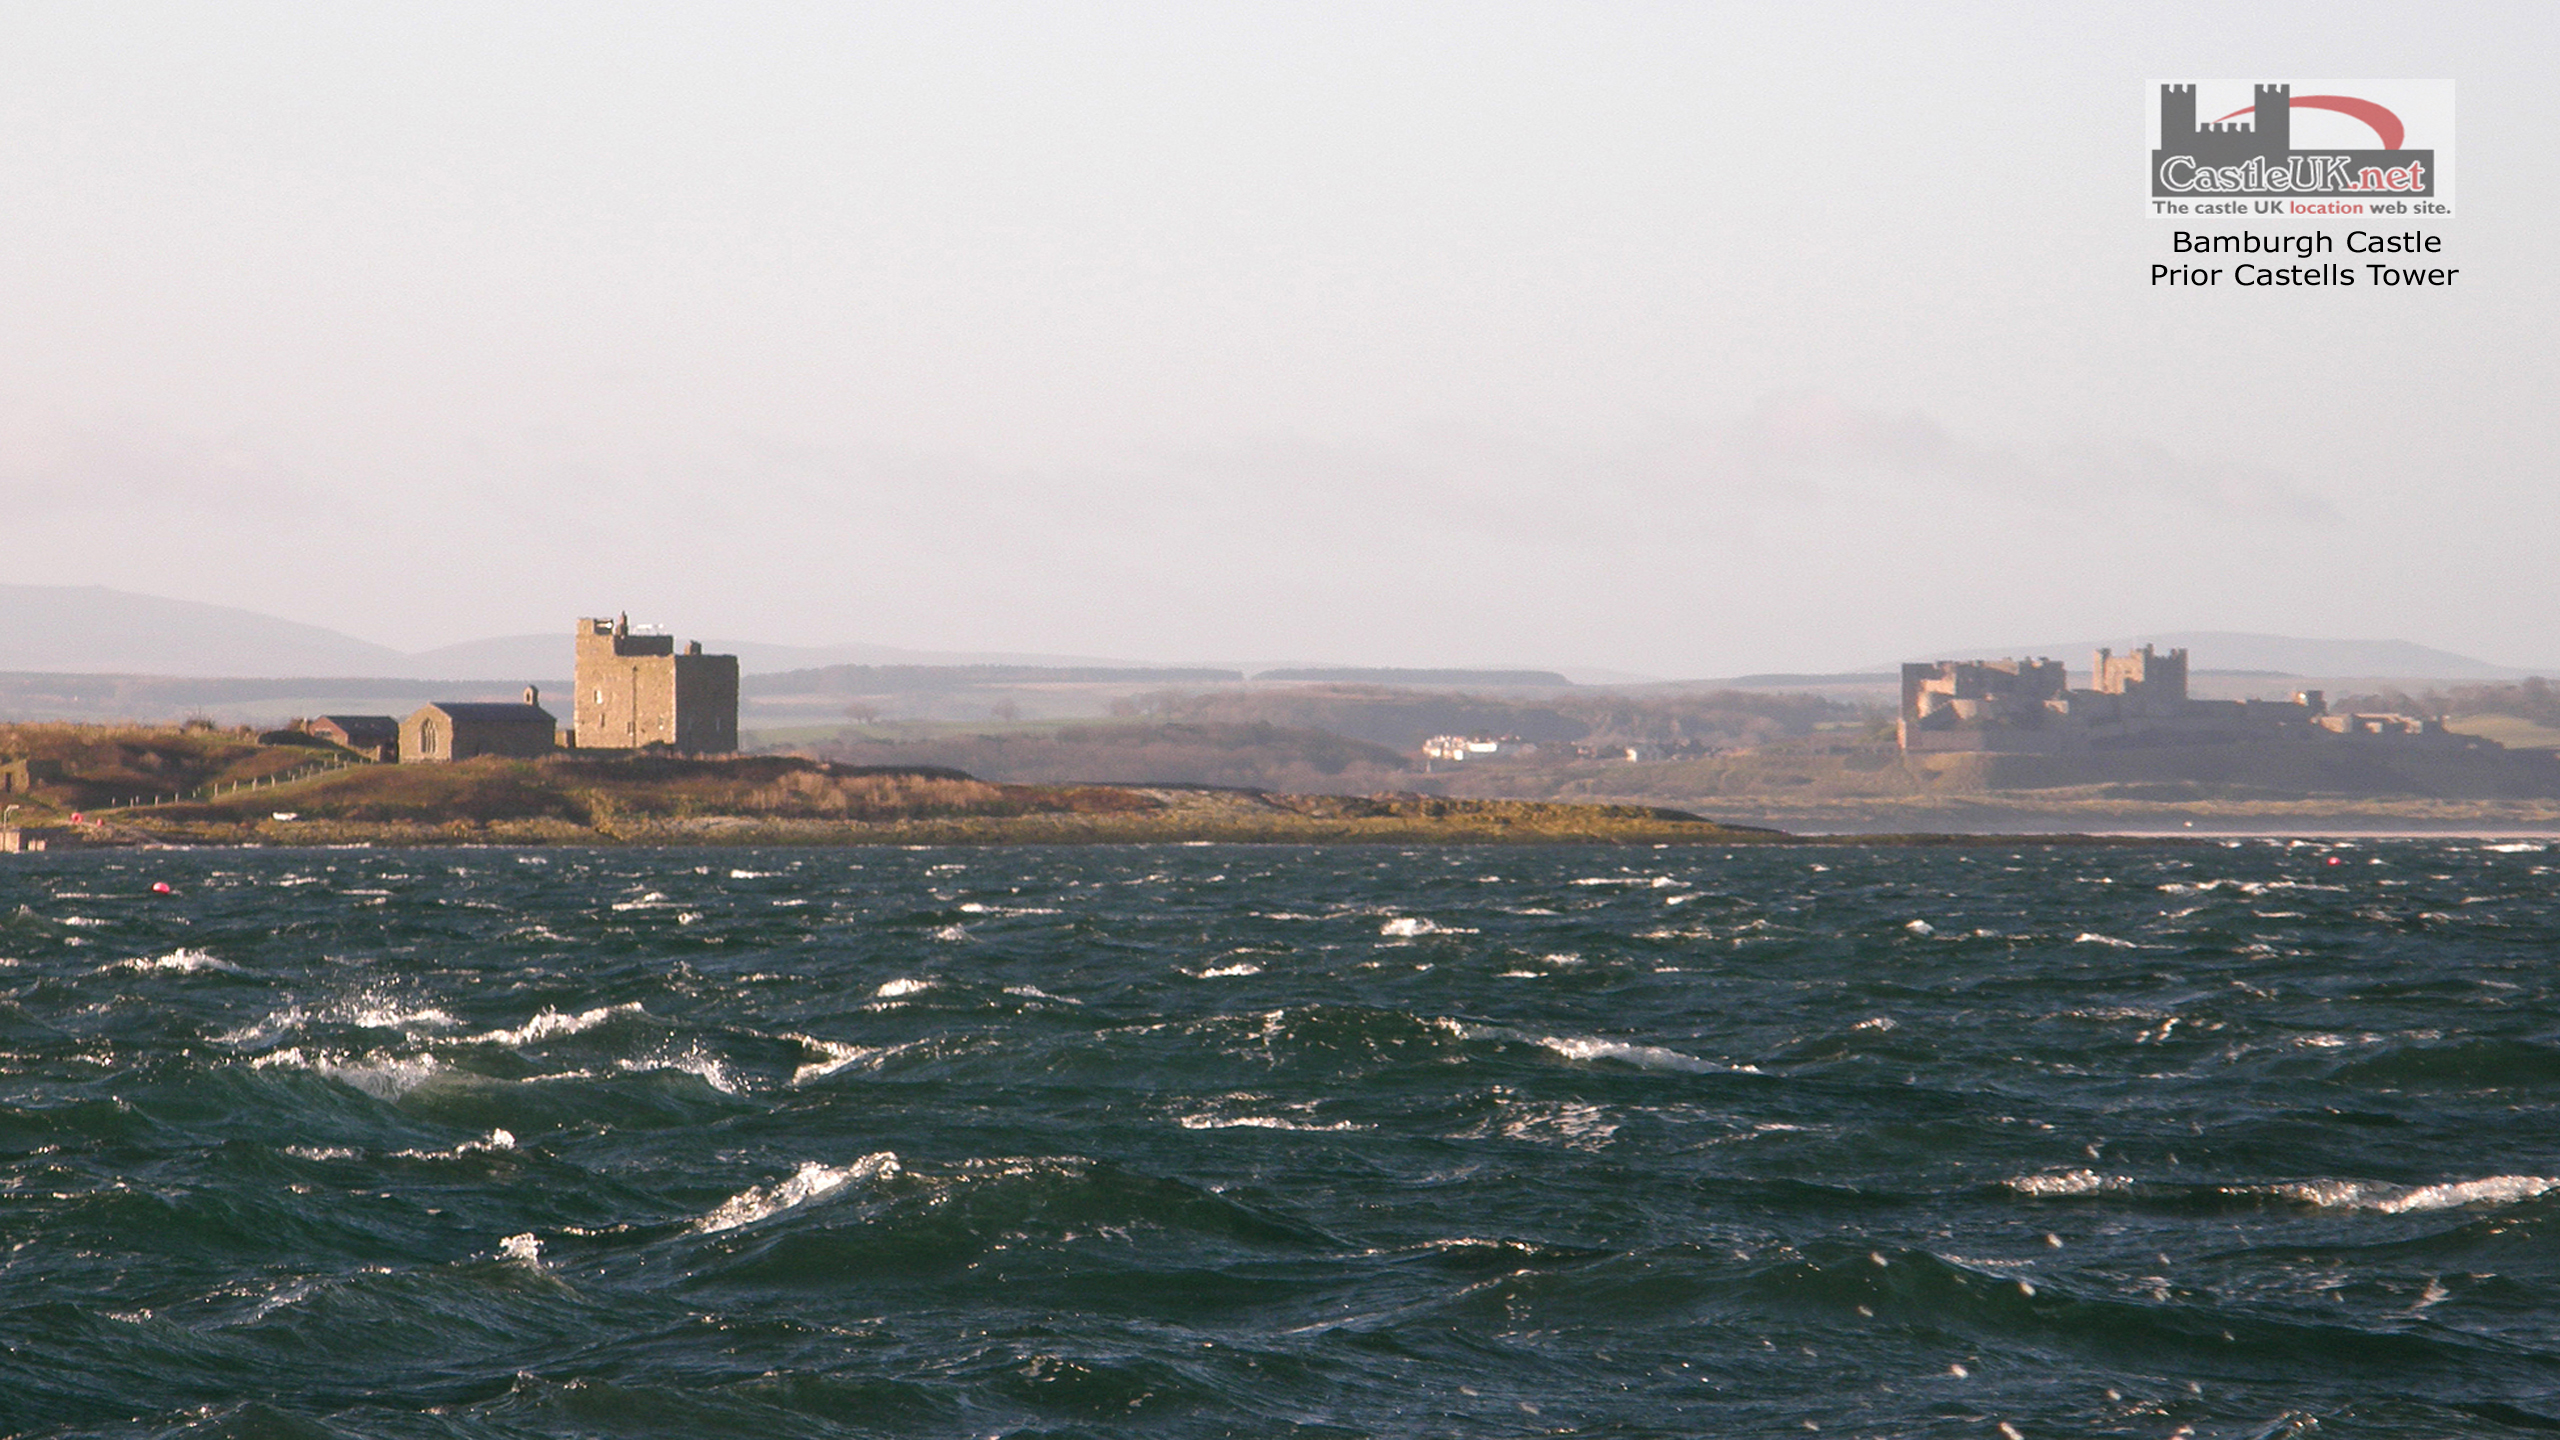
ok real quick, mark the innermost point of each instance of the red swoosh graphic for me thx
(2385, 124)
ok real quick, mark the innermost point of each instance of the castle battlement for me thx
(2268, 132)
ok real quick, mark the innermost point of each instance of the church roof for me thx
(492, 712)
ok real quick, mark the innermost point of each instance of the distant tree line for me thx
(930, 679)
(1403, 719)
(2534, 699)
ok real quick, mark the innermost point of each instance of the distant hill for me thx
(90, 696)
(94, 630)
(2231, 650)
(530, 654)
(912, 679)
(1389, 675)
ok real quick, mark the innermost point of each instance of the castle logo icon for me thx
(2322, 149)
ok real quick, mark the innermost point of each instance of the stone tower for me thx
(635, 691)
(2141, 674)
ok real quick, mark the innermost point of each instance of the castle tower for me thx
(2144, 674)
(635, 691)
(2177, 114)
(2275, 120)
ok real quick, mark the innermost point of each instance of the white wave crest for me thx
(266, 1028)
(811, 1181)
(1409, 926)
(1643, 1057)
(1585, 1047)
(522, 1249)
(552, 1024)
(1034, 992)
(833, 1055)
(384, 1077)
(902, 986)
(495, 1140)
(1264, 1122)
(2250, 888)
(710, 1069)
(1570, 1123)
(373, 1013)
(2411, 1199)
(1220, 972)
(2067, 1182)
(185, 960)
(364, 1011)
(2092, 937)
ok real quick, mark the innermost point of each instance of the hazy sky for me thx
(1685, 339)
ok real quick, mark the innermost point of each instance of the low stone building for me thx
(1472, 747)
(18, 777)
(376, 737)
(462, 729)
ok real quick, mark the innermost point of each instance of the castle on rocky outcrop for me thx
(2136, 700)
(635, 691)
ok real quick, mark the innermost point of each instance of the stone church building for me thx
(461, 729)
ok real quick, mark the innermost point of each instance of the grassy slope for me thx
(106, 763)
(789, 800)
(1264, 757)
(2511, 731)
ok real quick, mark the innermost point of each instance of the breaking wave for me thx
(183, 961)
(553, 1024)
(2409, 1199)
(812, 1181)
(384, 1077)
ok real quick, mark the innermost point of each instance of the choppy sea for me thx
(2243, 1139)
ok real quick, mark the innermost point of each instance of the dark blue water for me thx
(2244, 1140)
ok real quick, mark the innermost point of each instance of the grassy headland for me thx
(234, 790)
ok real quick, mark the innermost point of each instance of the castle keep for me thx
(635, 691)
